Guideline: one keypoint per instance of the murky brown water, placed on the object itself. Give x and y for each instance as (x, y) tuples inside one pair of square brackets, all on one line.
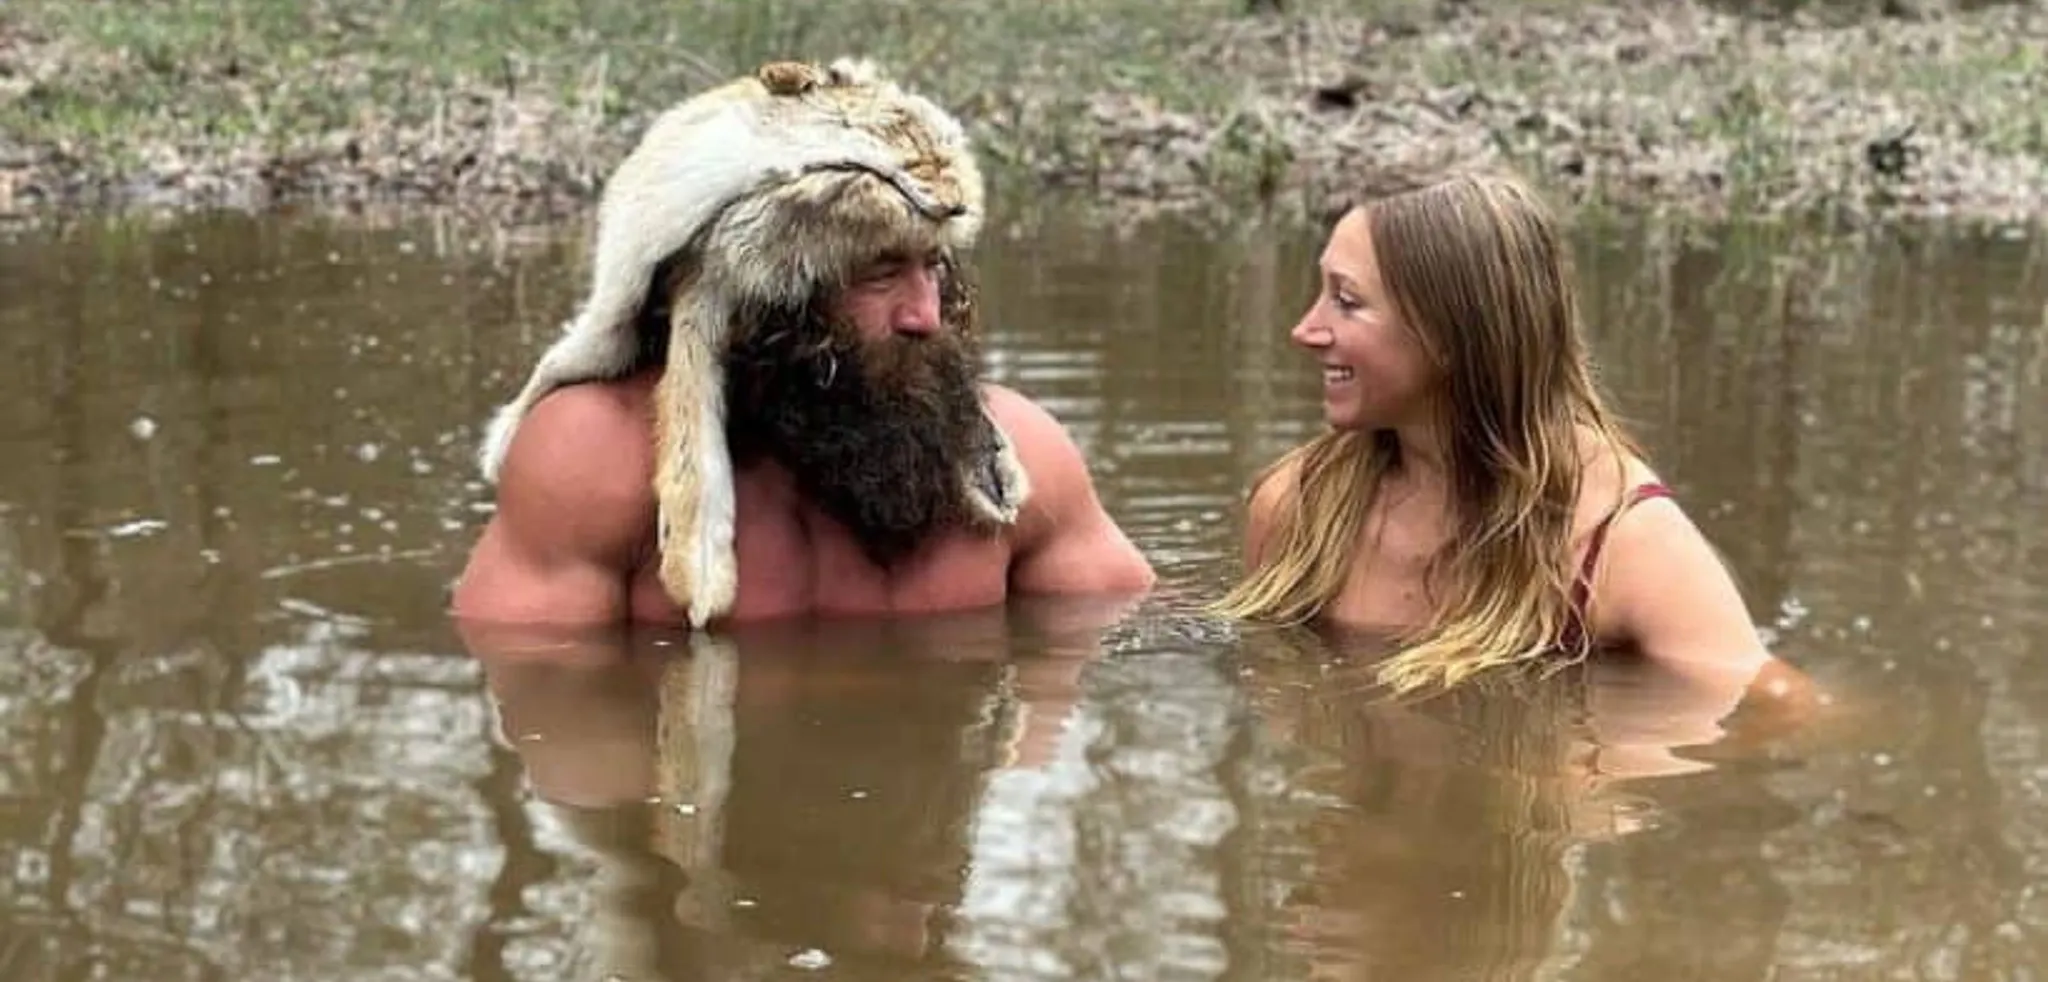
[(240, 741)]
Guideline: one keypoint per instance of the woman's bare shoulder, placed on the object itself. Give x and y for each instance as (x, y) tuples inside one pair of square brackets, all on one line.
[(1277, 480), (1271, 489), (1607, 474)]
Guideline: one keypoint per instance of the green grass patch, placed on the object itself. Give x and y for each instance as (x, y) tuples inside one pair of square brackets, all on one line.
[(1578, 92)]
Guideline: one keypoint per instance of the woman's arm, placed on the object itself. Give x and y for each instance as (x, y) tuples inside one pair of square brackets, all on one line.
[(1663, 591)]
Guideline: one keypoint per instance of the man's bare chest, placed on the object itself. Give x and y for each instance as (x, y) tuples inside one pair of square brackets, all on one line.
[(792, 564)]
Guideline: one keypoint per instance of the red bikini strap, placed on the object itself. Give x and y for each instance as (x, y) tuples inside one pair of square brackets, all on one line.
[(1582, 588), (1641, 492)]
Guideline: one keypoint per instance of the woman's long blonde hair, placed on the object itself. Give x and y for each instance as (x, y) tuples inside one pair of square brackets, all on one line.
[(1477, 268)]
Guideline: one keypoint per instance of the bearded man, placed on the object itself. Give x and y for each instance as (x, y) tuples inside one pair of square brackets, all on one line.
[(769, 404)]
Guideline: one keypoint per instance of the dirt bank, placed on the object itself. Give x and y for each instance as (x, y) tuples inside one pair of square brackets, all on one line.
[(1669, 106)]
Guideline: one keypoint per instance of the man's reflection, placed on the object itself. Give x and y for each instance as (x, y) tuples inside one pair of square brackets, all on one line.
[(789, 786), (1436, 837)]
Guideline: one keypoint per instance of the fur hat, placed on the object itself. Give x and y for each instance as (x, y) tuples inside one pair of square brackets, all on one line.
[(756, 192)]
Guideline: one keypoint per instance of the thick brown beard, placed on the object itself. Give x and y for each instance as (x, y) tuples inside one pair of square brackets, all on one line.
[(876, 433)]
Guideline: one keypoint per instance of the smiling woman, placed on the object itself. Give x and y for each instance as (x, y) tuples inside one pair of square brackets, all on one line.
[(1474, 496)]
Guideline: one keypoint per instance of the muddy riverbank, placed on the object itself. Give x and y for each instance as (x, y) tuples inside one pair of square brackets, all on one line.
[(1673, 106)]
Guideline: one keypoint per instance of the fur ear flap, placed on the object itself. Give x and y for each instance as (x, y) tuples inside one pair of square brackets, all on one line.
[(998, 484), (693, 480)]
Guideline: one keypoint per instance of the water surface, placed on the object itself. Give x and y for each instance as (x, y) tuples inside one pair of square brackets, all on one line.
[(242, 742)]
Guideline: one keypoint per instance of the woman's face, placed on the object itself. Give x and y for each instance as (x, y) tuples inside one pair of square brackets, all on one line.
[(1376, 374)]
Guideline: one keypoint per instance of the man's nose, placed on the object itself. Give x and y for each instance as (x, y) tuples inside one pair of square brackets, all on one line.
[(917, 302)]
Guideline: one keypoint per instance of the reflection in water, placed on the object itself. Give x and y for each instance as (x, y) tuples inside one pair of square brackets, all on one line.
[(1445, 837), (241, 742), (811, 794), (810, 787), (1437, 845)]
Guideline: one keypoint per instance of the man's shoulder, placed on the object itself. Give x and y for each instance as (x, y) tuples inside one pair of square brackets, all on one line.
[(591, 439), (620, 402), (1020, 416), (1047, 452), (1042, 444), (1064, 541), (594, 410)]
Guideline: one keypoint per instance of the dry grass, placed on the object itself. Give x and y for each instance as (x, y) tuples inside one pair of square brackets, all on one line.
[(1138, 102)]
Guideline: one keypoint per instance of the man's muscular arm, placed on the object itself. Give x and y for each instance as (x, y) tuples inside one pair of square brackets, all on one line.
[(574, 510), (1064, 542)]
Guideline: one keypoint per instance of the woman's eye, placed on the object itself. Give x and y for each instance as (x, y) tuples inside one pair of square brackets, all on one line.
[(1345, 301)]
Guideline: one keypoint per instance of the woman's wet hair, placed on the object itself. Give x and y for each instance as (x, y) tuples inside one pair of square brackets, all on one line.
[(1477, 268)]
